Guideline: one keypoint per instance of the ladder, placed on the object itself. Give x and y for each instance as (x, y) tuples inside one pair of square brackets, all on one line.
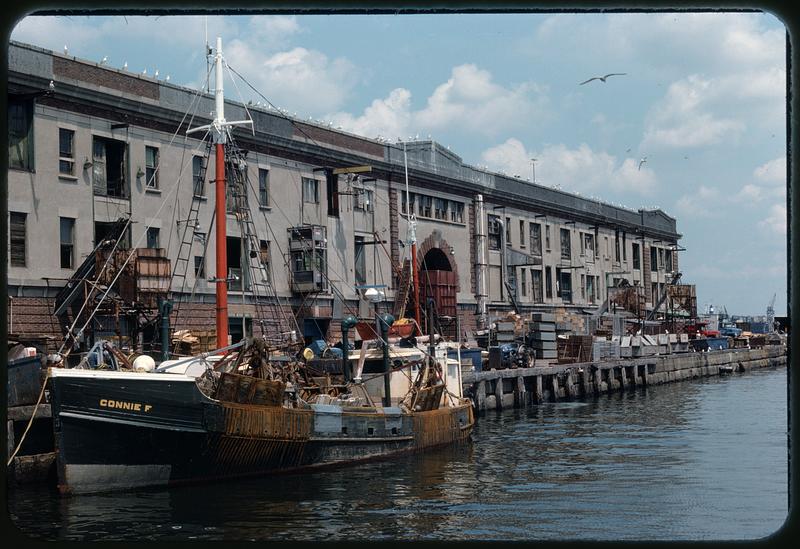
[(188, 230), (403, 288), (272, 319)]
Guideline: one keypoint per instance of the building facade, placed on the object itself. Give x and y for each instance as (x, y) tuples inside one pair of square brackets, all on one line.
[(102, 144)]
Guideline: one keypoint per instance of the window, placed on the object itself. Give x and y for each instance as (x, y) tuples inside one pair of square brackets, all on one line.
[(17, 229), (310, 190), (198, 175), (199, 266), (439, 208), (616, 246), (108, 167), (425, 204), (457, 212), (668, 261), (264, 256), (564, 278), (653, 259), (494, 232), (153, 237), (508, 231), (332, 187), (151, 167), (661, 258), (588, 244), (583, 286), (535, 230), (263, 187), (66, 152), (637, 260), (67, 229), (360, 261), (653, 292), (521, 233), (547, 237), (20, 126), (364, 200), (523, 282), (536, 281), (590, 288), (548, 282), (624, 251), (566, 244)]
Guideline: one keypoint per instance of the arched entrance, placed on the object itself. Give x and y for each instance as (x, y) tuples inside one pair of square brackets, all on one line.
[(439, 281)]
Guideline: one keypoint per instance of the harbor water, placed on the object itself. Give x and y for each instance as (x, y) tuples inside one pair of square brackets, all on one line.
[(705, 459)]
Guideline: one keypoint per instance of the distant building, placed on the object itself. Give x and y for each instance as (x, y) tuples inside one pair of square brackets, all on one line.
[(107, 143)]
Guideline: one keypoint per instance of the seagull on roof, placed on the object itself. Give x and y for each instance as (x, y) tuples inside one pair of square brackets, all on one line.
[(52, 85), (65, 49), (104, 60), (603, 78), (125, 66), (642, 161)]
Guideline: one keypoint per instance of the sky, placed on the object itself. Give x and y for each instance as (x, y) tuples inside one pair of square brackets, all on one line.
[(702, 100)]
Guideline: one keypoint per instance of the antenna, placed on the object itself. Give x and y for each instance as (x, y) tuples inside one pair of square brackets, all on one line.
[(208, 57)]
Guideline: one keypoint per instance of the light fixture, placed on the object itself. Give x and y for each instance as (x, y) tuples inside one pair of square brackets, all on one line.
[(87, 163), (139, 172)]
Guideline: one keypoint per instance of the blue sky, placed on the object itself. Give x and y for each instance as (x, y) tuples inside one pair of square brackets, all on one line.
[(703, 99)]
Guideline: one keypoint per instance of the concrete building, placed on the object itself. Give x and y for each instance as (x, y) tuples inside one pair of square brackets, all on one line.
[(102, 143)]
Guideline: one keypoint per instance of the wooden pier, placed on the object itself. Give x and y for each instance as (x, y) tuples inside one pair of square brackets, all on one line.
[(519, 387)]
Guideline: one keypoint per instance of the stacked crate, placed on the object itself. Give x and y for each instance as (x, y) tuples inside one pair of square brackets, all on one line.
[(575, 348), (543, 335), (194, 342)]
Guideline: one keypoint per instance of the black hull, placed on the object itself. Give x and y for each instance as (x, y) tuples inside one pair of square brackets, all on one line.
[(185, 437)]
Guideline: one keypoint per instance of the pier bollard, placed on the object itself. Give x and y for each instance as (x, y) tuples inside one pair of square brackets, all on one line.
[(498, 393), (537, 392), (480, 395), (519, 393)]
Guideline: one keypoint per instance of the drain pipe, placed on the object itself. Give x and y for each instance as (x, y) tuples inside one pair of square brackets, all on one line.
[(385, 321), (348, 323), (481, 294)]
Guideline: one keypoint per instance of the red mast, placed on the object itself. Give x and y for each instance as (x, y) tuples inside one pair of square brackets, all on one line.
[(222, 250), (219, 131)]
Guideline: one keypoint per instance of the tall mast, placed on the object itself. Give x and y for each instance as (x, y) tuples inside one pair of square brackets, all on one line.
[(219, 129), (412, 239)]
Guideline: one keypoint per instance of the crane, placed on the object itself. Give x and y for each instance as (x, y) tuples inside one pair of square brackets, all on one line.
[(771, 315)]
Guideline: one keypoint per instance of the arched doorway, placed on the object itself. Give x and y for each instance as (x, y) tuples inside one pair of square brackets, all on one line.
[(439, 281)]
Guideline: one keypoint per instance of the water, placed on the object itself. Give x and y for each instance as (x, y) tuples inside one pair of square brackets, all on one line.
[(695, 460)]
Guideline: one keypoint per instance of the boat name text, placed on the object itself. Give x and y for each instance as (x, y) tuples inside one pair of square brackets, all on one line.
[(122, 405)]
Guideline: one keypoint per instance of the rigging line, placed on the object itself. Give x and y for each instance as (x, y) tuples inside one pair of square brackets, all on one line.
[(274, 107), (235, 85), (274, 294), (127, 260)]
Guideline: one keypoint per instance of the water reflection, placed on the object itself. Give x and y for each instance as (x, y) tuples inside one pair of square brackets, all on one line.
[(696, 460)]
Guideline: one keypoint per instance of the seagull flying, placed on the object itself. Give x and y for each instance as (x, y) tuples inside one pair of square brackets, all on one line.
[(642, 161), (603, 78)]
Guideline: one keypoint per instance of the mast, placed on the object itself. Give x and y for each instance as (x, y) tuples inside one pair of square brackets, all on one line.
[(412, 239), (219, 129)]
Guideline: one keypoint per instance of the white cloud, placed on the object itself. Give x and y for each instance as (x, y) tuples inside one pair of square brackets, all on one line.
[(701, 202), (682, 119), (274, 29), (775, 222), (468, 100), (771, 183), (581, 169), (298, 79), (390, 117), (771, 172)]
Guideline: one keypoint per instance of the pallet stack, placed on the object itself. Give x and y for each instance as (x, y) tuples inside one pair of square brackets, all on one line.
[(543, 335), (194, 342)]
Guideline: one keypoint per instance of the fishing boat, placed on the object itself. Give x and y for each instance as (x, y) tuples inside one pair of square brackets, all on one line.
[(248, 409)]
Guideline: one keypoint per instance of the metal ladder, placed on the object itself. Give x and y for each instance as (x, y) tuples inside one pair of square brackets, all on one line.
[(181, 265), (273, 320)]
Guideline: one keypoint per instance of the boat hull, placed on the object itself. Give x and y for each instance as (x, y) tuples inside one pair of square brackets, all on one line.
[(120, 431)]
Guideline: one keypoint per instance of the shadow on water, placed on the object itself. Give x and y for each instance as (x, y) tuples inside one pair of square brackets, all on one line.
[(695, 460)]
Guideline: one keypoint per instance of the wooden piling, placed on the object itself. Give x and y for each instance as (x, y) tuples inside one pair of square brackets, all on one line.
[(480, 396), (623, 379), (538, 394), (519, 393), (498, 393), (554, 387)]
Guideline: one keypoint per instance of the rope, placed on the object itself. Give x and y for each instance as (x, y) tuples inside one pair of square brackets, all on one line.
[(30, 421)]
